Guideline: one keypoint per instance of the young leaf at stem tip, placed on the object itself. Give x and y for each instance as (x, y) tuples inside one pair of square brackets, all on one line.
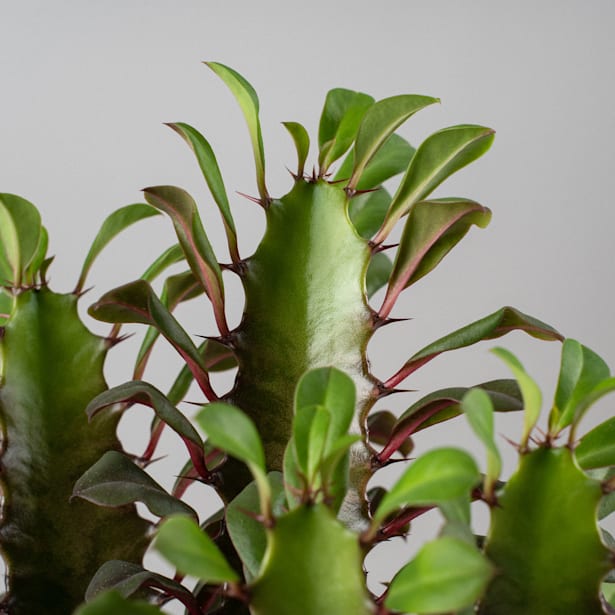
[(379, 123), (247, 98), (114, 224), (438, 157), (532, 397), (301, 139), (478, 409), (211, 172)]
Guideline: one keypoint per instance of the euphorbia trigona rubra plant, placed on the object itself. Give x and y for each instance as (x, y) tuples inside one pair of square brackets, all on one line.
[(292, 446)]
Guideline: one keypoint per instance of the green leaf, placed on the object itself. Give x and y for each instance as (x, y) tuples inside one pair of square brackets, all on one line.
[(310, 431), (128, 578), (446, 575), (479, 411), (182, 210), (495, 325), (36, 263), (445, 404), (380, 427), (581, 370), (380, 121), (230, 429), (114, 224), (112, 602), (597, 447), (246, 96), (431, 232), (301, 138), (20, 230), (438, 157), (247, 533), (211, 172), (339, 123), (114, 480), (169, 257), (367, 211), (391, 159), (333, 389), (181, 541), (532, 397), (137, 392), (437, 476), (378, 273), (177, 289), (136, 302)]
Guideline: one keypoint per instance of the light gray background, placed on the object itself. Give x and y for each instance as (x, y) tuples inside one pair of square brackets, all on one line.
[(85, 87)]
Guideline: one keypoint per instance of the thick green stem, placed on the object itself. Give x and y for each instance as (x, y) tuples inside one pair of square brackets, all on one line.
[(305, 307), (51, 366)]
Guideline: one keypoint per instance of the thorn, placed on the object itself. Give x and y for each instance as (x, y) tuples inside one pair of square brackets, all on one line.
[(384, 391), (380, 247), (339, 181), (295, 176), (515, 445), (224, 340), (143, 462), (378, 321), (254, 199), (115, 340), (82, 292), (194, 403), (240, 267)]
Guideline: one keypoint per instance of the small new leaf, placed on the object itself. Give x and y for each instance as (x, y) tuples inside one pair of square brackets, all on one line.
[(181, 541)]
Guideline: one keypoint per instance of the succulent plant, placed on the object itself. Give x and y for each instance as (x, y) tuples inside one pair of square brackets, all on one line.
[(51, 365), (291, 447)]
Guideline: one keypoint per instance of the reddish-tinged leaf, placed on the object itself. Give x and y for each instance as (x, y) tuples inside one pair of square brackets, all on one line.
[(495, 325), (433, 229), (182, 210)]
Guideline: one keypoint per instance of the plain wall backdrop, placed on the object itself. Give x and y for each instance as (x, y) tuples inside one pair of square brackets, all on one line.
[(85, 88)]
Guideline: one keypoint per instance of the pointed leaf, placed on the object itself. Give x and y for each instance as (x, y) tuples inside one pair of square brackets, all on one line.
[(211, 171), (113, 225), (36, 263), (339, 122), (230, 429), (391, 159), (446, 575), (432, 230), (438, 157), (247, 533), (378, 273), (301, 138), (136, 302), (20, 230), (495, 325), (597, 447), (532, 397), (128, 578), (177, 289), (436, 476), (182, 210), (317, 439), (181, 541), (114, 480), (169, 257), (381, 120), (246, 96), (478, 409), (333, 389), (137, 392), (112, 602), (367, 211), (581, 370)]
